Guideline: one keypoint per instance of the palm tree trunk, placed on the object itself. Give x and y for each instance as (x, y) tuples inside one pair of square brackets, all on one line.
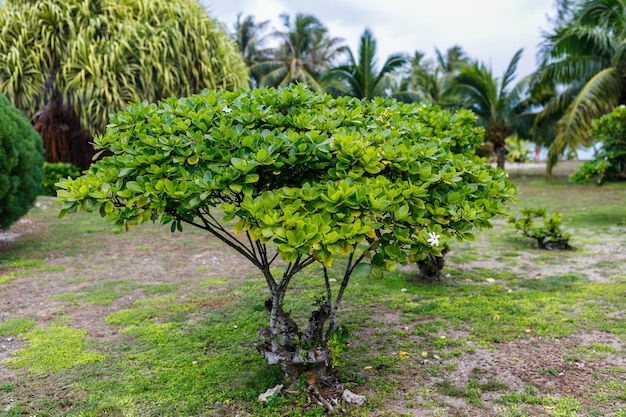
[(64, 139), (501, 156), (497, 136)]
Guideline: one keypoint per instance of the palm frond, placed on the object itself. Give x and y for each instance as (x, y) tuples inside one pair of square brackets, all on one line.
[(509, 74), (596, 98)]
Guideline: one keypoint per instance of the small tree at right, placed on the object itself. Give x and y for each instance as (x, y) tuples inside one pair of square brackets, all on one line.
[(609, 163)]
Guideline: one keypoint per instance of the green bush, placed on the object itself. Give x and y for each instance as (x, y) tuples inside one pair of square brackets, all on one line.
[(608, 164), (549, 235), (53, 173), (519, 150), (21, 164), (307, 177)]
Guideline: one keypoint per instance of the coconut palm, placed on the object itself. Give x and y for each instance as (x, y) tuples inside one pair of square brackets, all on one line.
[(251, 38), (429, 80), (304, 53), (68, 64), (586, 57), (496, 102), (361, 77), (452, 59), (422, 79)]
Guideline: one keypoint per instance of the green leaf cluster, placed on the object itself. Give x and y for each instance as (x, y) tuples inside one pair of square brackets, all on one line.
[(21, 164), (307, 172), (53, 172), (549, 235), (608, 164)]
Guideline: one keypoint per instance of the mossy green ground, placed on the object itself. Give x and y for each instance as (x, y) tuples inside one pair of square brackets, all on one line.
[(150, 324)]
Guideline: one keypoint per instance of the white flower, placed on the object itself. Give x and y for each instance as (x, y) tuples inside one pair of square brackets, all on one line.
[(433, 239), (403, 289), (227, 110)]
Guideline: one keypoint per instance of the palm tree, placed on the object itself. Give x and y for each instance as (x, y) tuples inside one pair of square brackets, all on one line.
[(250, 37), (430, 81), (496, 102), (361, 77), (304, 54), (452, 60), (586, 57), (421, 79)]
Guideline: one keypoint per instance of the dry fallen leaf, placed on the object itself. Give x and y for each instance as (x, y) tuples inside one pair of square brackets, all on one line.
[(311, 378)]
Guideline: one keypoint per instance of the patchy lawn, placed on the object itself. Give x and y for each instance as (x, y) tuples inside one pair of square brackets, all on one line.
[(149, 323)]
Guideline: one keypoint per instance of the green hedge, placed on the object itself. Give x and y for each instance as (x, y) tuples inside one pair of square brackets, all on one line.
[(21, 164)]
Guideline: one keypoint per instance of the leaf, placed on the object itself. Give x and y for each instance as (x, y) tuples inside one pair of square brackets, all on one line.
[(236, 187), (362, 270), (251, 178)]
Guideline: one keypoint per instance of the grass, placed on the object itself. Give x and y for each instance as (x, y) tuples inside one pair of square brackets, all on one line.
[(16, 326), (53, 349), (133, 326)]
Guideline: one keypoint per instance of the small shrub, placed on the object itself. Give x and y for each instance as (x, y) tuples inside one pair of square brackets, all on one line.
[(21, 162), (549, 236), (53, 173), (608, 164), (519, 150)]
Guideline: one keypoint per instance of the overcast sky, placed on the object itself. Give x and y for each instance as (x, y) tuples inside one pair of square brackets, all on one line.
[(488, 30)]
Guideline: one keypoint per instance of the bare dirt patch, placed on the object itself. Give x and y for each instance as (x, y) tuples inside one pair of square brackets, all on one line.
[(134, 260)]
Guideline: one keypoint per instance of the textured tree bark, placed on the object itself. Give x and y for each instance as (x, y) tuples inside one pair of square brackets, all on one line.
[(430, 269), (279, 348), (64, 139)]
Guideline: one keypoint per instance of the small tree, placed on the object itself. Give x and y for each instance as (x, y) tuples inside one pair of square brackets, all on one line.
[(608, 164), (21, 164), (290, 174)]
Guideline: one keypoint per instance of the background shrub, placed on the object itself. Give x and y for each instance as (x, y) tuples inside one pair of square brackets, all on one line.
[(53, 172), (21, 164), (608, 164), (549, 235)]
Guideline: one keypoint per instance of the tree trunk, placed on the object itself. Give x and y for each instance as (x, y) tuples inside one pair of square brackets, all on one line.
[(537, 153), (501, 156), (497, 136), (64, 139), (280, 348), (430, 269)]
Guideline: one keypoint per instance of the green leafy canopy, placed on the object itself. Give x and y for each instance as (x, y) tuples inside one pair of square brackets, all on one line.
[(310, 173)]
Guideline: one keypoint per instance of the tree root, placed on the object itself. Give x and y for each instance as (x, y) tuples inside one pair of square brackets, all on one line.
[(330, 405)]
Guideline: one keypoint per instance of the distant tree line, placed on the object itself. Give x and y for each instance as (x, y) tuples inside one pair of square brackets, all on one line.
[(579, 77), (69, 64)]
